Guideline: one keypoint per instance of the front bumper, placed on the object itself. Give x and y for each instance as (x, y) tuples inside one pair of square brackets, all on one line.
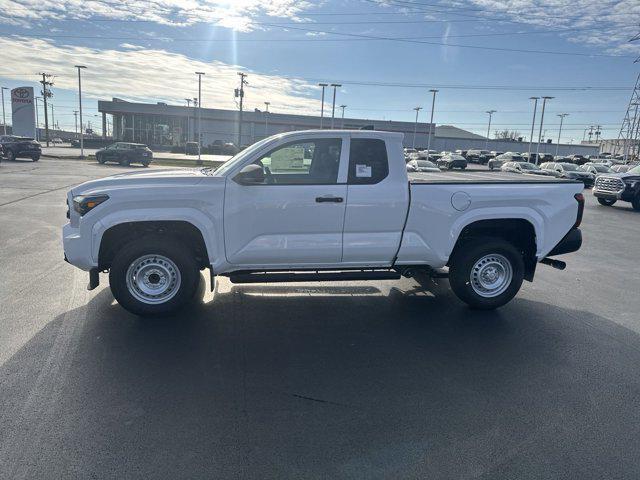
[(571, 242), (77, 250)]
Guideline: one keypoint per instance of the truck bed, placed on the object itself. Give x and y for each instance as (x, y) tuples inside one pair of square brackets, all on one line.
[(480, 177)]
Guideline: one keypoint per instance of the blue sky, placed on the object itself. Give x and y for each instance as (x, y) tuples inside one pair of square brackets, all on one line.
[(387, 54)]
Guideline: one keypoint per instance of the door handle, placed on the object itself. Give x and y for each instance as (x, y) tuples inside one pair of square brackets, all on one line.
[(329, 199)]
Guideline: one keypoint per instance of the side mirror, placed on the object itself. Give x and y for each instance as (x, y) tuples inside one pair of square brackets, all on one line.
[(250, 175)]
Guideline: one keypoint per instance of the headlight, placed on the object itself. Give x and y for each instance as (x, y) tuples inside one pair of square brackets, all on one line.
[(85, 203)]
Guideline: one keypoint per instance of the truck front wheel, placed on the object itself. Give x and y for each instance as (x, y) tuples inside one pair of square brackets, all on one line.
[(486, 273), (153, 276)]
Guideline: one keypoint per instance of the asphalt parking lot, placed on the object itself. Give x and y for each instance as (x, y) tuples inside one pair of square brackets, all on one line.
[(351, 380)]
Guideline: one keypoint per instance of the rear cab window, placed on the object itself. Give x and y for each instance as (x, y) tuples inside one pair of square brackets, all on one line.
[(368, 161)]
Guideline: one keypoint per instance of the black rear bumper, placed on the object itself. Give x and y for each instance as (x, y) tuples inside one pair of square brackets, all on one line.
[(571, 242)]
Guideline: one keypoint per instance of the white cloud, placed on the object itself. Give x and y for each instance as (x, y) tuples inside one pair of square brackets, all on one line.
[(235, 14), (607, 24), (151, 75)]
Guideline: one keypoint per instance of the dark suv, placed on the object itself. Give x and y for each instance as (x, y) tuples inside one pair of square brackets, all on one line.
[(20, 147), (611, 187), (125, 153)]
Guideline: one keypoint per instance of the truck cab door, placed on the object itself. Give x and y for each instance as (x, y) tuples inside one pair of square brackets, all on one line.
[(377, 202), (293, 217)]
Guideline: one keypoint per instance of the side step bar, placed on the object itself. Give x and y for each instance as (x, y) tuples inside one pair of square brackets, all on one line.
[(315, 276)]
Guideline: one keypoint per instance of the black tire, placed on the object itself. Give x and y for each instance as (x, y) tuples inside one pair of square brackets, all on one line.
[(153, 245), (10, 155), (491, 167), (463, 261), (607, 202), (100, 159), (124, 162), (145, 164), (635, 203), (35, 158)]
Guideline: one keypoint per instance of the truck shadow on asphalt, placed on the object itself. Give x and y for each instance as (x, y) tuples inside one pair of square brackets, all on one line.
[(333, 382)]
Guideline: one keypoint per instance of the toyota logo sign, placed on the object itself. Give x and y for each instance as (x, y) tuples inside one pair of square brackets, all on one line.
[(21, 93)]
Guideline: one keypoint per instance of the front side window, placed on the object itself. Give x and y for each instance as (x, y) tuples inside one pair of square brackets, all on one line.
[(368, 162), (304, 162)]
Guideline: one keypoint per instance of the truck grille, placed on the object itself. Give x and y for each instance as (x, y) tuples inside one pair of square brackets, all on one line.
[(609, 184)]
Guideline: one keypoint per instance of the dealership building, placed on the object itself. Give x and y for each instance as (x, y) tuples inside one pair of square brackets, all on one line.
[(163, 125)]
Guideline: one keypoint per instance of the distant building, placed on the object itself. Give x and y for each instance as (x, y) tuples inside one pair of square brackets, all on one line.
[(159, 124)]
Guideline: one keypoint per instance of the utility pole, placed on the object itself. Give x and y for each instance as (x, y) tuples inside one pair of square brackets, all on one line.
[(323, 85), (533, 123), (266, 119), (80, 67), (342, 107), (240, 93), (544, 103), (53, 119), (561, 115), (188, 100), (35, 99), (199, 114), (432, 127), (490, 112), (46, 94), (415, 128), (75, 115), (590, 133), (333, 106), (4, 120)]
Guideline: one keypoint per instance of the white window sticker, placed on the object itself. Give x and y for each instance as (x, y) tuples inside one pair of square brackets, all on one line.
[(363, 171)]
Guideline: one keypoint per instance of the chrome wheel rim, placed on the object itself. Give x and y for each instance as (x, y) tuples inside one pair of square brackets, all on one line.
[(491, 275), (153, 279)]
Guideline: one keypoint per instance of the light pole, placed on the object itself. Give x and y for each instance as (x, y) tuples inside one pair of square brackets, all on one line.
[(333, 106), (323, 85), (188, 100), (37, 119), (79, 67), (533, 123), (415, 127), (561, 115), (431, 125), (266, 118), (199, 114), (4, 120), (544, 103), (342, 107), (75, 117), (490, 112)]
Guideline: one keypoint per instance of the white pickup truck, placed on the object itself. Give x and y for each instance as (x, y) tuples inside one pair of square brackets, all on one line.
[(325, 205)]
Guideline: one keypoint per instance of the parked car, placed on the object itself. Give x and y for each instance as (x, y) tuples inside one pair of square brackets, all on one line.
[(422, 166), (191, 148), (449, 162), (579, 159), (609, 188), (462, 153), (478, 156), (621, 168), (496, 163), (495, 153), (524, 167), (570, 171), (532, 157), (20, 147), (346, 222), (545, 157), (125, 154), (596, 168)]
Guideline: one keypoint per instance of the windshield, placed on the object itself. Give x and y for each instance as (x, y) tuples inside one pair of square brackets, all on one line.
[(529, 166), (601, 168), (236, 159), (424, 163), (569, 167)]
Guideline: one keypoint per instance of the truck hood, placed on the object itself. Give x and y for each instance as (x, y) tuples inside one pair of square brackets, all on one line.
[(169, 177)]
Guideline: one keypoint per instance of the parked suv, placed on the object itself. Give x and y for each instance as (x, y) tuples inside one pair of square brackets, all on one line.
[(125, 153), (496, 163), (478, 156), (569, 170), (609, 188), (20, 147)]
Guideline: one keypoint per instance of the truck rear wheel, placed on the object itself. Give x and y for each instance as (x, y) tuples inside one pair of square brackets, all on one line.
[(153, 276), (486, 273)]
